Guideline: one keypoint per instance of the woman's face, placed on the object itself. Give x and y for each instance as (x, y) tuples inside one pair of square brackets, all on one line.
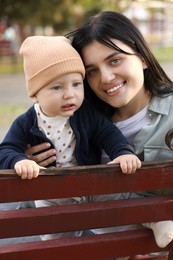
[(115, 77)]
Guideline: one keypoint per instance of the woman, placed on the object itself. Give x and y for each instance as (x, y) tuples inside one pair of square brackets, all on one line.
[(125, 81)]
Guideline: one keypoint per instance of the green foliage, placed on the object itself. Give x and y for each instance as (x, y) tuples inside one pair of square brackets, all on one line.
[(62, 15)]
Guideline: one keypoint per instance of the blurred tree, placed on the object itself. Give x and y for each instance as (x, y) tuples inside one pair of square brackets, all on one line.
[(61, 15)]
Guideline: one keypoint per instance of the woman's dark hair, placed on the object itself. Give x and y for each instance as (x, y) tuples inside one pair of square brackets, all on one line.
[(113, 25)]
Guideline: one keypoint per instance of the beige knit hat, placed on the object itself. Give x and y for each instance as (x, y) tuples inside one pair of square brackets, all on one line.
[(47, 58)]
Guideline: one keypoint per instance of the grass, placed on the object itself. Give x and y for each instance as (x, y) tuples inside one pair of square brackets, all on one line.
[(8, 68), (9, 112), (9, 65), (163, 54)]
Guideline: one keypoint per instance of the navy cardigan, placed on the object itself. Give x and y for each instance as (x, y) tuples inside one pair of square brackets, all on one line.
[(92, 130)]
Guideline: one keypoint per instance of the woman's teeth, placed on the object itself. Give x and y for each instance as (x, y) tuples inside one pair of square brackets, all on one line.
[(115, 88)]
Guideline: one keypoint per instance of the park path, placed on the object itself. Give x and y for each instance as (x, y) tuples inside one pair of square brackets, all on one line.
[(13, 91)]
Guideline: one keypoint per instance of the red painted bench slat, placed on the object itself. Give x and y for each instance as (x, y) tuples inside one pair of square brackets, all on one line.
[(80, 181), (98, 214), (98, 247)]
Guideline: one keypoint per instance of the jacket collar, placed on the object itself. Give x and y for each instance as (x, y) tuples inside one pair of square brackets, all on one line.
[(161, 105)]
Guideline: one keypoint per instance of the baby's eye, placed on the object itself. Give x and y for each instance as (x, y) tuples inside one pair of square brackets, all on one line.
[(76, 84), (57, 87)]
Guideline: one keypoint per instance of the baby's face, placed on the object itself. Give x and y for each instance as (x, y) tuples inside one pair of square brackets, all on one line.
[(63, 96)]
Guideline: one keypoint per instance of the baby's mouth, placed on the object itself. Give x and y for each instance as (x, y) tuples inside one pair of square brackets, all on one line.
[(68, 105)]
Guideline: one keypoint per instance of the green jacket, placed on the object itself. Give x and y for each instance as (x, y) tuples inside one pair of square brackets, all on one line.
[(150, 141)]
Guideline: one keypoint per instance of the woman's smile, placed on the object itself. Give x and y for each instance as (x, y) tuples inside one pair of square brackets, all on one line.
[(115, 88)]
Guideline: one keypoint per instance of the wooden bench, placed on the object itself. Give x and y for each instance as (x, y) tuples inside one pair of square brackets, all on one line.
[(83, 181)]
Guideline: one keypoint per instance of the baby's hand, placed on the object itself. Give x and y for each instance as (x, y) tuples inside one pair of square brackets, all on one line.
[(27, 169), (129, 163)]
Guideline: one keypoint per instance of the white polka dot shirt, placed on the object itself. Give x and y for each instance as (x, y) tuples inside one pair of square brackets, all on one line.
[(59, 131)]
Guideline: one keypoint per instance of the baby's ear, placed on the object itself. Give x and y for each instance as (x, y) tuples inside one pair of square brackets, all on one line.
[(34, 99)]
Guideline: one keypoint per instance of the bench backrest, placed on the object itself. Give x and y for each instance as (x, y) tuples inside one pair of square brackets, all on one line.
[(84, 181)]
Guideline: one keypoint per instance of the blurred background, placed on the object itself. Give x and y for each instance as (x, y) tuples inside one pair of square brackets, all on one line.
[(19, 19), (49, 17), (54, 17)]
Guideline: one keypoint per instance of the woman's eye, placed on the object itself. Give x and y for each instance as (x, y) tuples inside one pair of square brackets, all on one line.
[(115, 61), (90, 73)]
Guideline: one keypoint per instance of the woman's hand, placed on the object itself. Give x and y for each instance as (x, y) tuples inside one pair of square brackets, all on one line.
[(38, 154)]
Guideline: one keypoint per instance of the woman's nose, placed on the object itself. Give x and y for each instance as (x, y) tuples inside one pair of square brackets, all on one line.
[(107, 75)]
